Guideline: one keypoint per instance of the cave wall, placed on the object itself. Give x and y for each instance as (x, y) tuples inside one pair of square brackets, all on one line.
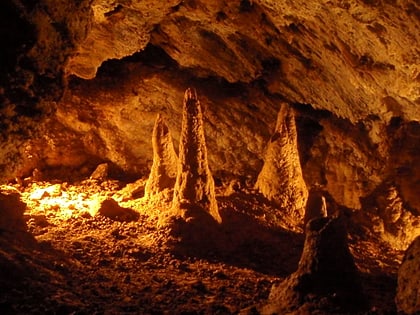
[(83, 81)]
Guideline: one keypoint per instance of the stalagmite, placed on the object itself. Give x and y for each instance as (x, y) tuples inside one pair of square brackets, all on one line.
[(326, 279), (280, 179), (194, 194), (164, 169), (316, 206)]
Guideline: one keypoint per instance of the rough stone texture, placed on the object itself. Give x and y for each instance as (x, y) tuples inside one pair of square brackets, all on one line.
[(350, 69), (194, 187), (280, 179), (387, 215), (111, 209), (125, 25), (316, 206), (100, 173), (11, 211), (326, 279), (165, 160), (408, 293)]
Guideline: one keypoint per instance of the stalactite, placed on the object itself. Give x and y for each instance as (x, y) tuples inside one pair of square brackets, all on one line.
[(164, 168), (194, 192), (280, 179)]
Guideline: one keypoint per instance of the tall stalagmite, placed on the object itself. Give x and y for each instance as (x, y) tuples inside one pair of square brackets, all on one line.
[(194, 193), (165, 161), (280, 179)]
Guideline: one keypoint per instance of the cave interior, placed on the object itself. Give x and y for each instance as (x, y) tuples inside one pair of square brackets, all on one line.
[(210, 157)]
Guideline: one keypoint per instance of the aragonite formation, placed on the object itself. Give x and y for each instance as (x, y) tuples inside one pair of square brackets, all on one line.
[(194, 193), (280, 179), (164, 168)]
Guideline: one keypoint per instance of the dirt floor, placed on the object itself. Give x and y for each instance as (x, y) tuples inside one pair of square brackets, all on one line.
[(78, 257)]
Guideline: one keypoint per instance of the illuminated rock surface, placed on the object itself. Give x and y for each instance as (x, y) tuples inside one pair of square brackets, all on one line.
[(165, 161), (81, 83), (194, 192), (408, 294), (280, 179)]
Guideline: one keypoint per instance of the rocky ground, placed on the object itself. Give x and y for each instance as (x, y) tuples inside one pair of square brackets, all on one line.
[(78, 258)]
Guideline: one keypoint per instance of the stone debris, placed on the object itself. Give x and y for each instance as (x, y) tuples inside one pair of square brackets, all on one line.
[(281, 179), (326, 278), (408, 293), (100, 173), (111, 209), (194, 193), (165, 160)]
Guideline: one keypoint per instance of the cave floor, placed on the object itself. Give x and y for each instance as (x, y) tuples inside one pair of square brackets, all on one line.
[(70, 262)]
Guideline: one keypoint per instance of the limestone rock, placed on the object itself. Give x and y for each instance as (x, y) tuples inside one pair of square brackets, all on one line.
[(326, 276), (280, 179), (100, 173), (165, 160), (316, 206), (11, 211), (194, 192), (408, 293), (387, 216), (111, 209)]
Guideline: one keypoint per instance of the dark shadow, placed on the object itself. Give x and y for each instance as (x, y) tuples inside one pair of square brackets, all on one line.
[(247, 237)]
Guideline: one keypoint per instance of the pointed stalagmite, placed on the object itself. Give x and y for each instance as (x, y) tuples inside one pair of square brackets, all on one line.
[(165, 161), (280, 179), (194, 193)]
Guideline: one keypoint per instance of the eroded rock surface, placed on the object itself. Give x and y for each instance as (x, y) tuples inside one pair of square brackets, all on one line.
[(165, 160), (194, 192), (280, 179), (408, 294), (326, 279), (350, 69)]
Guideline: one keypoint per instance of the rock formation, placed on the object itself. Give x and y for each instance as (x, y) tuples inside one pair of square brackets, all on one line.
[(11, 211), (111, 209), (408, 293), (100, 173), (165, 161), (316, 206), (194, 192), (326, 278), (280, 179)]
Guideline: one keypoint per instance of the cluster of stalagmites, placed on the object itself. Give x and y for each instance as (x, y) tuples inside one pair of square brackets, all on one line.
[(280, 179), (189, 174)]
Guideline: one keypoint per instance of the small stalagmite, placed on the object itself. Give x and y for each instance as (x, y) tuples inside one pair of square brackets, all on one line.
[(281, 179), (194, 194), (326, 279), (165, 161), (316, 206)]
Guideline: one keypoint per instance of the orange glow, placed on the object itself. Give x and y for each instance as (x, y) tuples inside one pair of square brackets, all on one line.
[(60, 201)]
